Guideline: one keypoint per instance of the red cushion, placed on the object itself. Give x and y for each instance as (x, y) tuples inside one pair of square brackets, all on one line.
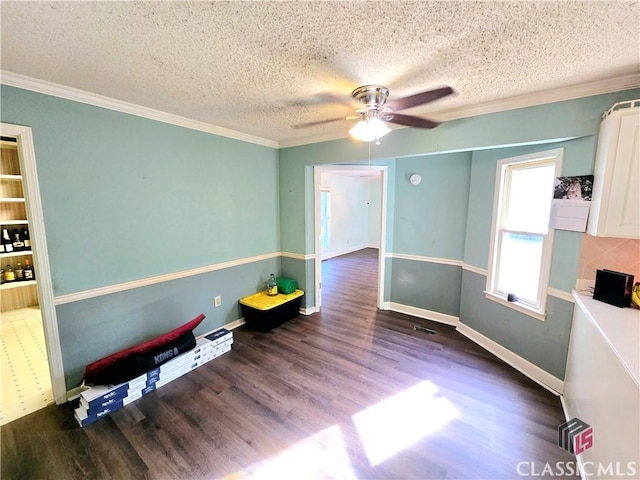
[(93, 368)]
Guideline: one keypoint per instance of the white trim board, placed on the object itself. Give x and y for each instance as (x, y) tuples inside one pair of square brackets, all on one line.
[(121, 287), (68, 93), (298, 256), (572, 92), (474, 269), (423, 313), (598, 87), (420, 258), (535, 373), (28, 168)]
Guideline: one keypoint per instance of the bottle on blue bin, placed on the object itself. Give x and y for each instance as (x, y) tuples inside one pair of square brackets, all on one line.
[(272, 285)]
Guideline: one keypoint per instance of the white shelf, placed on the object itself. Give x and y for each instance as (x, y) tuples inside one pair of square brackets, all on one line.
[(8, 144), (16, 254), (14, 222), (10, 285), (14, 178), (12, 200)]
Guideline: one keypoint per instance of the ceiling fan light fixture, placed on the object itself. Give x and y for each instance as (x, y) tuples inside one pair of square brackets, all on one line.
[(369, 129)]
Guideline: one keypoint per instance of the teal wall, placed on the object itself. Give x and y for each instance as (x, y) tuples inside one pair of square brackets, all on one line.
[(430, 218), (542, 343), (126, 198), (451, 218), (94, 328)]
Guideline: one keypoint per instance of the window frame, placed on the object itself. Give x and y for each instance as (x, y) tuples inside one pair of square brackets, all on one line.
[(501, 192)]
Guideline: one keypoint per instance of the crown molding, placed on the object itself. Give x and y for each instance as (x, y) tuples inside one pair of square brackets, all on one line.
[(572, 92), (68, 93), (588, 89)]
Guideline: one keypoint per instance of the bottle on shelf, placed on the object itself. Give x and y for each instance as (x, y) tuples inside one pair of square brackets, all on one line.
[(16, 237), (6, 241), (9, 275), (29, 272), (19, 272), (1, 276), (272, 285), (26, 238)]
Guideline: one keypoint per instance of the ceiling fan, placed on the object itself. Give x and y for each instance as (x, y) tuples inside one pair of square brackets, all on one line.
[(376, 110)]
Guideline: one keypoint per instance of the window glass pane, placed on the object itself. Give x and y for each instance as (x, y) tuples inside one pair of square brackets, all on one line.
[(325, 220), (529, 199), (519, 268)]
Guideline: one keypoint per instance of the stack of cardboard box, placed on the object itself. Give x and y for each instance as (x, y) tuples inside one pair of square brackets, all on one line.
[(102, 400)]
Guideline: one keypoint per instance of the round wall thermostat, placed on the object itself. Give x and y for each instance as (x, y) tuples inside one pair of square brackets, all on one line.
[(415, 179)]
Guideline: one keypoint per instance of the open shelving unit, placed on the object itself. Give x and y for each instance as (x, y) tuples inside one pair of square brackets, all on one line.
[(19, 294)]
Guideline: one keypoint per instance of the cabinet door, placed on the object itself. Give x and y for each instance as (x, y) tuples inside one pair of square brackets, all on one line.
[(623, 213), (599, 391)]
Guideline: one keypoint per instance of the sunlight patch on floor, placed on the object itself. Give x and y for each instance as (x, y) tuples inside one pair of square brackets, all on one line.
[(398, 422), (322, 455)]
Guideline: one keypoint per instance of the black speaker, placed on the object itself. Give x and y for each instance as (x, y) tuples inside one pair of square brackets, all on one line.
[(613, 288)]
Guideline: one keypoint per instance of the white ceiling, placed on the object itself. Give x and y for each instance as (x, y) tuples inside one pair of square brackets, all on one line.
[(260, 67)]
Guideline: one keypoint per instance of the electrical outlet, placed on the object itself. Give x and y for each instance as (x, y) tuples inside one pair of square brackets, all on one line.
[(217, 301)]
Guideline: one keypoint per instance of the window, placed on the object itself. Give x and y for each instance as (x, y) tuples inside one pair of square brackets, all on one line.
[(325, 218), (521, 240)]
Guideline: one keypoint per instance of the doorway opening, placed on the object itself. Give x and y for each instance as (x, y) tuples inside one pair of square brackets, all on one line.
[(350, 216), (32, 374)]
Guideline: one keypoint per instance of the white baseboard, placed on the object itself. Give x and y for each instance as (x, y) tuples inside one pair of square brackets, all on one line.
[(308, 310), (568, 416), (535, 373), (328, 255), (422, 313)]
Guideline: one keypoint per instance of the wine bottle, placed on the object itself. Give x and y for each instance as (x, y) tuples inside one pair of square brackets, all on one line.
[(18, 244), (26, 238), (6, 241), (29, 272), (9, 275), (19, 272), (1, 276)]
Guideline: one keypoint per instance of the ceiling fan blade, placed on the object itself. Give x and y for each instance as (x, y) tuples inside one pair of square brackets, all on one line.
[(419, 98), (409, 120), (319, 122), (322, 122)]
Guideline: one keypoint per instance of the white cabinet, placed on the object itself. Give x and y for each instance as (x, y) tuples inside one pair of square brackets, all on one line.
[(615, 206), (601, 385)]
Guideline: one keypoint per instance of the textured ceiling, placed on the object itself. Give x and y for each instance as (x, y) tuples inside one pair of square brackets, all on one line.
[(260, 67)]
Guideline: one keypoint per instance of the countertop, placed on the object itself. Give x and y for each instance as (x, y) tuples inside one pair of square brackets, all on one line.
[(620, 328)]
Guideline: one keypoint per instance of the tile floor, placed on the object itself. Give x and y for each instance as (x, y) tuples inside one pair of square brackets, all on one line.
[(25, 381)]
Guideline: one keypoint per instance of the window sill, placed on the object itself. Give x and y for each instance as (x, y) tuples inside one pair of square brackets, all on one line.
[(532, 312)]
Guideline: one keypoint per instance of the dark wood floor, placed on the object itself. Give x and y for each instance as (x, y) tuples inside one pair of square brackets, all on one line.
[(352, 392)]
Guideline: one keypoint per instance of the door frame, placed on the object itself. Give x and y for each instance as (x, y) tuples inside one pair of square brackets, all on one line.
[(317, 171), (27, 158)]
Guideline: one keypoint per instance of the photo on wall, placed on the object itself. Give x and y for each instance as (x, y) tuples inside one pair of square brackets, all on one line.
[(571, 202), (573, 188)]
